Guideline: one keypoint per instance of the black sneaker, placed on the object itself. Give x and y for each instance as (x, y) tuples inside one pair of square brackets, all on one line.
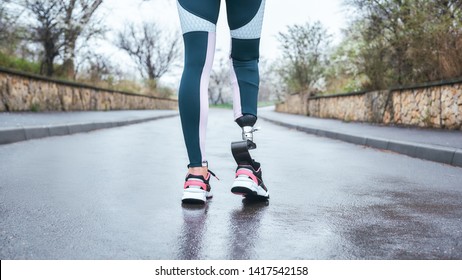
[(197, 189), (249, 183)]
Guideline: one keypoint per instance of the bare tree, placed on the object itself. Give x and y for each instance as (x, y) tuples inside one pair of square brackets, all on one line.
[(57, 26), (7, 27), (153, 49), (304, 48), (15, 37), (272, 88), (47, 30), (219, 84), (95, 67), (76, 22), (4, 22)]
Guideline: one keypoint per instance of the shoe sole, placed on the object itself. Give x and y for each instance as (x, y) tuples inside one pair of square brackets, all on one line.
[(247, 187), (195, 196)]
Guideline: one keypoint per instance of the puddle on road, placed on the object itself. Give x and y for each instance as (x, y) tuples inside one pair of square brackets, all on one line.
[(244, 227), (242, 231), (192, 231)]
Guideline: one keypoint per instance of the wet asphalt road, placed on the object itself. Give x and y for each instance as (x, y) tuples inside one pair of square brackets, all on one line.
[(115, 194)]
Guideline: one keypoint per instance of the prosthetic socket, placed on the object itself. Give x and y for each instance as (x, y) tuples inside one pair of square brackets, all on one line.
[(241, 149)]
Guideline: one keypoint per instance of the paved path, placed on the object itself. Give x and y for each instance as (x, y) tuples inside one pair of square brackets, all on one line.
[(15, 127), (115, 194), (29, 119)]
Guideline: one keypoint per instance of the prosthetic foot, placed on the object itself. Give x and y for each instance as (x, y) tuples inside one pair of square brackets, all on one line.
[(248, 181)]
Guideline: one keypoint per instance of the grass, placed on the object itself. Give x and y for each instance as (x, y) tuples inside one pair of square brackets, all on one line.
[(35, 108), (19, 64), (230, 106), (222, 106), (266, 103)]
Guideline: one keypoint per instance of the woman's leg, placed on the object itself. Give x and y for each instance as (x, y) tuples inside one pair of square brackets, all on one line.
[(198, 23), (245, 18)]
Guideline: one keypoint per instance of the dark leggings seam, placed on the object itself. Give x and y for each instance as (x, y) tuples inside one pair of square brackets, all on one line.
[(189, 11)]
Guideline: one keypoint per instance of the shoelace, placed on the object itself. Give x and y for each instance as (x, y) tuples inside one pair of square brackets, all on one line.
[(213, 174)]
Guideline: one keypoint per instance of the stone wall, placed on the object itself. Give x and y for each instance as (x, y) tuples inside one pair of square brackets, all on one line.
[(24, 92), (433, 105), (295, 104)]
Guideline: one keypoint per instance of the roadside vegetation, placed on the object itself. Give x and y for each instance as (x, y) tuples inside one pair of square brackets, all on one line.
[(386, 43)]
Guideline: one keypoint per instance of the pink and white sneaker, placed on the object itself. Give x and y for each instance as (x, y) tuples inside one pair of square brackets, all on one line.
[(249, 182), (197, 189)]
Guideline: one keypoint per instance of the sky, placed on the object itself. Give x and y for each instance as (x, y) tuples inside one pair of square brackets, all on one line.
[(278, 15)]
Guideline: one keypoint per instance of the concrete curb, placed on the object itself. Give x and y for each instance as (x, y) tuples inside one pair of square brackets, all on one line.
[(13, 135), (447, 155)]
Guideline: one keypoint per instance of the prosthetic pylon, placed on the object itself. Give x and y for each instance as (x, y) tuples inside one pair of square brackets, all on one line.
[(240, 149)]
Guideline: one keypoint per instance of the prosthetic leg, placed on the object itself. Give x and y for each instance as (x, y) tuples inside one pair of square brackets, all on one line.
[(248, 181), (241, 149)]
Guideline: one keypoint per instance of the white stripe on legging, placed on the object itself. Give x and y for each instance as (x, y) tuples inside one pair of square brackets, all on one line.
[(236, 91), (204, 91)]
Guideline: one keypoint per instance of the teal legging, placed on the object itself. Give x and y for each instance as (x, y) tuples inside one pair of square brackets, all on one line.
[(198, 22)]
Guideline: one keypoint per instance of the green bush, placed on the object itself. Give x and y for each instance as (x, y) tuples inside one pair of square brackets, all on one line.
[(19, 64)]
